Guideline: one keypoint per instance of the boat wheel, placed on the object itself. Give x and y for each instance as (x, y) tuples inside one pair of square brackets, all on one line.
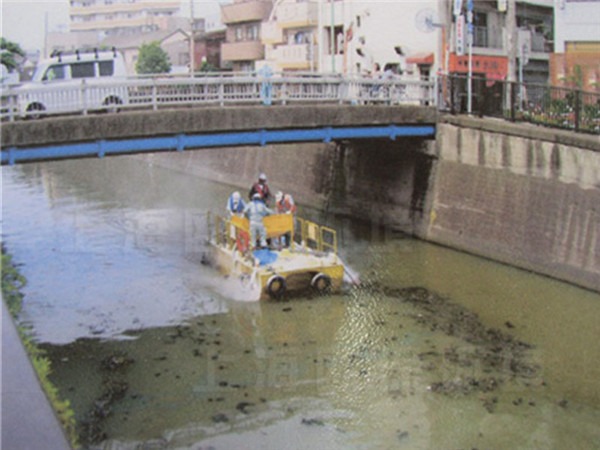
[(321, 283), (276, 286)]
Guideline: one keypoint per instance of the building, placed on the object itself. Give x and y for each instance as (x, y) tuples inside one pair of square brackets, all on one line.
[(576, 59), (290, 36), (120, 17), (175, 43), (388, 35), (490, 48), (344, 36), (243, 46), (69, 42), (207, 48)]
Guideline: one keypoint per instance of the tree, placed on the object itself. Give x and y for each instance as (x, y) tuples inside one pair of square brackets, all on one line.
[(8, 51), (152, 59), (207, 67)]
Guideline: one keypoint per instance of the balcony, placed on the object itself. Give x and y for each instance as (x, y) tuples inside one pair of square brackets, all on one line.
[(242, 51), (123, 8), (251, 11), (292, 15), (296, 56), (271, 33), (109, 24), (486, 37)]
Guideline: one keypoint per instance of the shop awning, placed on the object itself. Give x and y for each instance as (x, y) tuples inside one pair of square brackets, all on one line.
[(420, 58)]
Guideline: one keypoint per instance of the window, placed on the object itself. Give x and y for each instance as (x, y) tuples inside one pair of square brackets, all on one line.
[(252, 33), (184, 59), (239, 34), (479, 19), (82, 70), (107, 68), (54, 73)]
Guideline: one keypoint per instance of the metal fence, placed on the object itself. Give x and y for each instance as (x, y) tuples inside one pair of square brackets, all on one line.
[(85, 96), (556, 107)]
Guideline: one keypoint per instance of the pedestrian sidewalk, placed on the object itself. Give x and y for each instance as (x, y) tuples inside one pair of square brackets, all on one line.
[(28, 419)]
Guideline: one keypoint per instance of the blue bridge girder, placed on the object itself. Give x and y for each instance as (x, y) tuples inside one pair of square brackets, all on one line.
[(178, 129), (182, 141)]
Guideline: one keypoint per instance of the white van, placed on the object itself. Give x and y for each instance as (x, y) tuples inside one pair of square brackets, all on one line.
[(82, 81)]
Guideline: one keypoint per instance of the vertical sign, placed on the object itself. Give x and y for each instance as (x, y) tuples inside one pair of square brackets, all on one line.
[(457, 7), (470, 21), (502, 4), (460, 35)]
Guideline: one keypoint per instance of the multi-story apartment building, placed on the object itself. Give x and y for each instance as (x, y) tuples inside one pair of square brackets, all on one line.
[(490, 48), (290, 36), (576, 58), (344, 36), (243, 46), (120, 17)]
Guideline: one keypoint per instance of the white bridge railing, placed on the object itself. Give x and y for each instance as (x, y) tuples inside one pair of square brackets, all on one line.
[(86, 96)]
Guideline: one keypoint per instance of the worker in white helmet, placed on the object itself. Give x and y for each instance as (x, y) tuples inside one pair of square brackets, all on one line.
[(262, 188), (284, 204), (256, 210), (235, 205)]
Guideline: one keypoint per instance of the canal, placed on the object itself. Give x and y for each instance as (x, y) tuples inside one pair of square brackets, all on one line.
[(436, 349)]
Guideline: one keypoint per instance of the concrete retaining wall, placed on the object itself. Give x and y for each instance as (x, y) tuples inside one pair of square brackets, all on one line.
[(529, 201), (523, 195), (382, 181)]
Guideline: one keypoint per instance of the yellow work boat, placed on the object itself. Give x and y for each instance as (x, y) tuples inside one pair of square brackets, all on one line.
[(310, 261)]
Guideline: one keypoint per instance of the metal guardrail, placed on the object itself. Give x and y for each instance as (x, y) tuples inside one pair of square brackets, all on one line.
[(85, 96), (551, 106)]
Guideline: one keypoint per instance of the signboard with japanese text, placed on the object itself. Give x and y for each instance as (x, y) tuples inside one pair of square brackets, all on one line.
[(460, 35), (457, 7)]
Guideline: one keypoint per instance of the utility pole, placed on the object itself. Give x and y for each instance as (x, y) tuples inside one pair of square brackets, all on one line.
[(470, 43), (192, 62), (332, 36), (511, 32), (320, 65)]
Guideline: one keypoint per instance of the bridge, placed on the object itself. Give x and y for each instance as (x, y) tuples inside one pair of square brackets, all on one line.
[(185, 113), (97, 119)]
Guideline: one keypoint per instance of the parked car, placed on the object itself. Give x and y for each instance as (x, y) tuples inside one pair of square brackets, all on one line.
[(82, 81)]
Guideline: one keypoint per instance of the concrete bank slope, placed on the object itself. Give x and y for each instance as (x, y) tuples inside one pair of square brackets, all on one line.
[(522, 194), (28, 419)]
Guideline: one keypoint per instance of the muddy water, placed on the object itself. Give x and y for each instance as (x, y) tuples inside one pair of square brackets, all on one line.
[(438, 349)]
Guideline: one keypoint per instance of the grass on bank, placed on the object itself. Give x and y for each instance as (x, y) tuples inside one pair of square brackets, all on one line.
[(12, 284)]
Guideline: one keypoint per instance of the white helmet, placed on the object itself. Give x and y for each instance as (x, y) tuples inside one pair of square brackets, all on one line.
[(278, 196), (262, 177), (236, 196)]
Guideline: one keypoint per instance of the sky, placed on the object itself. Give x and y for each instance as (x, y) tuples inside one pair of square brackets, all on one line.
[(23, 21)]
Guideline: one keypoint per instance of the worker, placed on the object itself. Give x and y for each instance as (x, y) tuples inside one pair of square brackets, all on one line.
[(256, 210), (285, 205), (262, 188), (235, 205)]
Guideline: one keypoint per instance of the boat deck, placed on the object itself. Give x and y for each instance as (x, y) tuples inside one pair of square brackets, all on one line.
[(311, 261)]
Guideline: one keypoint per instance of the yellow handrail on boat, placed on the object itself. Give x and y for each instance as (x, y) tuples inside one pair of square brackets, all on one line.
[(312, 235)]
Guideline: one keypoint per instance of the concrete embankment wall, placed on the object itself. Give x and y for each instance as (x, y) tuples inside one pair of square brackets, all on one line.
[(527, 196), (523, 195), (382, 181)]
